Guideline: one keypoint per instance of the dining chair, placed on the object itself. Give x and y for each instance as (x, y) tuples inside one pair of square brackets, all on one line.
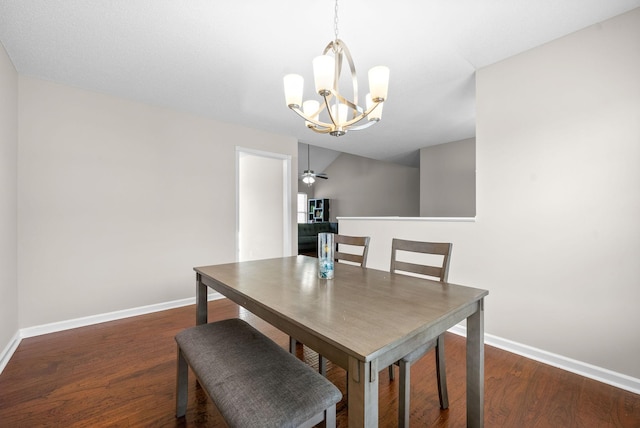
[(345, 253), (401, 262)]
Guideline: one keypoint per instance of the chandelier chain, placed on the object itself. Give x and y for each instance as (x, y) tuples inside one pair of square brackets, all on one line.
[(335, 20)]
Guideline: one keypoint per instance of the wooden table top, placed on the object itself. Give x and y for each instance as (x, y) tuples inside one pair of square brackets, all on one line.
[(364, 312)]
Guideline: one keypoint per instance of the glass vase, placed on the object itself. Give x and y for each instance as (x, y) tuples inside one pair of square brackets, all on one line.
[(326, 248)]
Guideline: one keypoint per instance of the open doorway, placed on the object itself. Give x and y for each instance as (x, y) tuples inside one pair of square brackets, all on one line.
[(263, 201)]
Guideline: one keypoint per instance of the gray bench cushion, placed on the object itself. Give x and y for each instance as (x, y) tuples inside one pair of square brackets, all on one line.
[(253, 381)]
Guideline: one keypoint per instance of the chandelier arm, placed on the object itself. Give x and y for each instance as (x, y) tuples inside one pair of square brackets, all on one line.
[(330, 47), (350, 104), (331, 118), (320, 108), (337, 71), (363, 126), (318, 130), (344, 49), (309, 119), (324, 128), (362, 116), (338, 47)]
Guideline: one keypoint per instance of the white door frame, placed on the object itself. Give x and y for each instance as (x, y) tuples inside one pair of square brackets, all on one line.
[(286, 193)]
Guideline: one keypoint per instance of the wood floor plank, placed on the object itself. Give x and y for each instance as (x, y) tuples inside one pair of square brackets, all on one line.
[(122, 374)]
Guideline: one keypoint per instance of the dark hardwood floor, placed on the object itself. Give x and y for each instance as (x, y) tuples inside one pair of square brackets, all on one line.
[(122, 374)]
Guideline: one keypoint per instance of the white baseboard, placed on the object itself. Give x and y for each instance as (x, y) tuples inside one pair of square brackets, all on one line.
[(7, 353), (109, 316), (600, 374), (590, 371)]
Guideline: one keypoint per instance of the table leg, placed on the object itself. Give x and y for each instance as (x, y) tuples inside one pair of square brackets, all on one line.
[(201, 301), (475, 367), (363, 393)]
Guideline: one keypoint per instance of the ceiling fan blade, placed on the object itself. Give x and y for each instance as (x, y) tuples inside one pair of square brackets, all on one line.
[(309, 173)]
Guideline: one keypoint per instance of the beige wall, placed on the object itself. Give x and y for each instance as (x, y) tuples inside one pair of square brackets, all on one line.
[(448, 179), (556, 238), (8, 200), (359, 186), (118, 201)]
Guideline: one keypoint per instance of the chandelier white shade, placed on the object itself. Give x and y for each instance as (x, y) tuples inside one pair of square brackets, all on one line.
[(293, 93), (334, 113), (379, 83)]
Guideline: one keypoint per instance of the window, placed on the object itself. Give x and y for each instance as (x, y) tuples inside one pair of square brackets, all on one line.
[(302, 207)]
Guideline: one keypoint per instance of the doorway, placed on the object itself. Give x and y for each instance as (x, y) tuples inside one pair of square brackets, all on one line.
[(263, 201)]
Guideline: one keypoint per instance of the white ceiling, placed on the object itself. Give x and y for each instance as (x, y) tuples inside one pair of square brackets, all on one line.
[(226, 59)]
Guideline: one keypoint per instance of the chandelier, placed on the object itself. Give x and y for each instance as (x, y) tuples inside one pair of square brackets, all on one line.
[(335, 114)]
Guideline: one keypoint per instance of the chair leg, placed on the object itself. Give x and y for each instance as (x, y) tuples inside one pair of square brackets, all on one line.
[(182, 383), (322, 365), (346, 389), (292, 345), (330, 417), (404, 392), (441, 373)]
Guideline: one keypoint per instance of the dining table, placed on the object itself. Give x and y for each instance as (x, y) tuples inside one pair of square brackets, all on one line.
[(362, 320)]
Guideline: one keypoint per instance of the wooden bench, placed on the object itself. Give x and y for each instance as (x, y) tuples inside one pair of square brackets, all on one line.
[(251, 379)]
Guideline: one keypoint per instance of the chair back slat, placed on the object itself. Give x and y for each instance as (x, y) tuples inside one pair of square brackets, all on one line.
[(434, 271), (436, 248), (355, 258), (356, 241)]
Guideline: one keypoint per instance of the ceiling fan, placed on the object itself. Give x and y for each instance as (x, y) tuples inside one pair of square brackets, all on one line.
[(308, 176)]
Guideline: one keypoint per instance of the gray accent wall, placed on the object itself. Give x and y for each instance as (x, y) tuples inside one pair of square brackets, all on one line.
[(362, 187), (448, 179)]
